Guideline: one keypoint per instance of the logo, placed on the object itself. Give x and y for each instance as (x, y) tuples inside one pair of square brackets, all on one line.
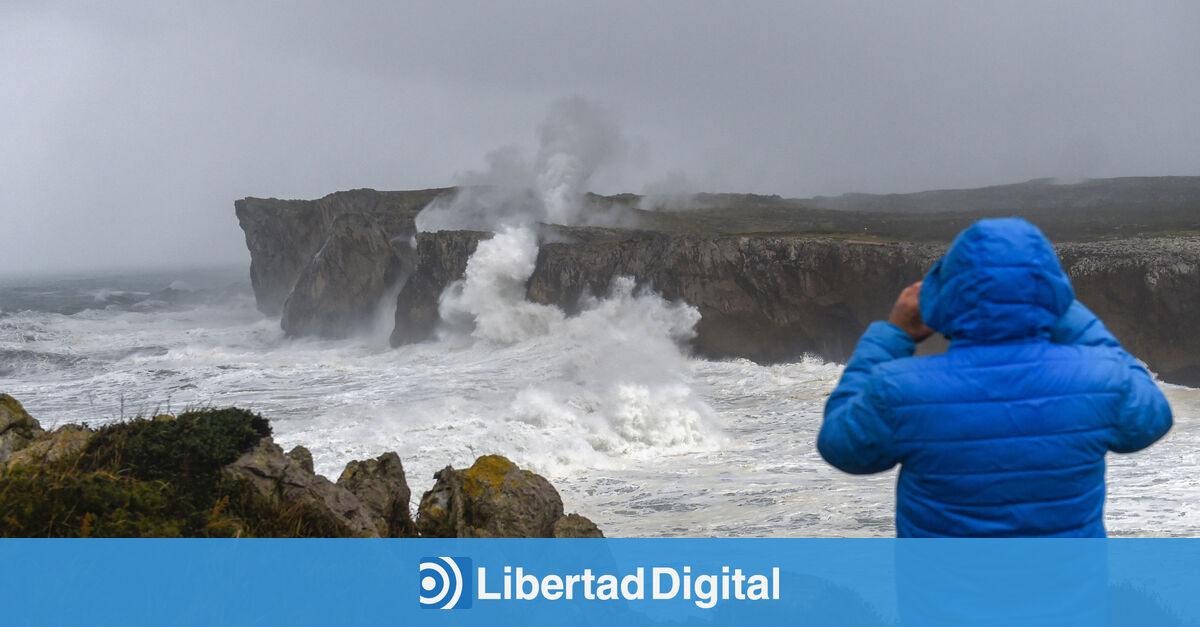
[(443, 581)]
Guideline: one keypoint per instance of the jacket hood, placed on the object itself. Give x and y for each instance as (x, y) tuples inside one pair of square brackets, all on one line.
[(1000, 280)]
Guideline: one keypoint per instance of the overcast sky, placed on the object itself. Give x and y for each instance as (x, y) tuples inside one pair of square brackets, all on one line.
[(126, 133)]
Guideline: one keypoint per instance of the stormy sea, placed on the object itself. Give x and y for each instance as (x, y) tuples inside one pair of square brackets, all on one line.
[(636, 433)]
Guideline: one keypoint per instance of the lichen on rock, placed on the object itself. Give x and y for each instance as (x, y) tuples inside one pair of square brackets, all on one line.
[(495, 498)]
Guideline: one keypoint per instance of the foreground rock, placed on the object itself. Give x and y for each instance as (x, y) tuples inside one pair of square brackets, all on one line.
[(218, 473), (17, 428), (380, 484), (495, 498), (53, 446), (284, 481)]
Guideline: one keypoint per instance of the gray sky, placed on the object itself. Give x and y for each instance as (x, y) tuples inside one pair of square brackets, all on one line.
[(126, 133)]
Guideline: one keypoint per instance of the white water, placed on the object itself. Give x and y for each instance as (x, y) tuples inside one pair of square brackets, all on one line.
[(676, 447)]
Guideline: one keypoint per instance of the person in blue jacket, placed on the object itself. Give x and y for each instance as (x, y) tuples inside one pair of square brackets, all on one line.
[(1005, 434)]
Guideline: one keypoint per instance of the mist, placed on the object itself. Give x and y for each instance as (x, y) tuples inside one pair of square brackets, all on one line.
[(128, 132)]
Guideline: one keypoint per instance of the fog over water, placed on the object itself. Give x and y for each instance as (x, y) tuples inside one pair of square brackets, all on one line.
[(128, 129)]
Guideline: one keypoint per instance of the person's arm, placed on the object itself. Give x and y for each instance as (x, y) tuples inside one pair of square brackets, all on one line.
[(1145, 415), (854, 436)]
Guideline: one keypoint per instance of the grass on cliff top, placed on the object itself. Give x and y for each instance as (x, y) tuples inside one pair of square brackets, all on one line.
[(767, 216), (154, 478)]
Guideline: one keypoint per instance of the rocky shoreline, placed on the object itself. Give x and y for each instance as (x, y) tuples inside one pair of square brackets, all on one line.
[(218, 473)]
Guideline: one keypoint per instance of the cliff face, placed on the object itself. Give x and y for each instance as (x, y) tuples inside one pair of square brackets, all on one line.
[(1147, 291), (768, 286), (283, 235), (767, 299), (441, 258), (775, 298), (338, 291)]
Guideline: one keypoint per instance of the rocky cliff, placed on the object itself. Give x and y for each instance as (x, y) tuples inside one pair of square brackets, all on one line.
[(441, 258), (337, 292), (765, 298), (772, 278), (283, 235), (1147, 291), (776, 297)]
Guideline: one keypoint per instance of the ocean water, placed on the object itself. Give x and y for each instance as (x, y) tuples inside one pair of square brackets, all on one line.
[(635, 434)]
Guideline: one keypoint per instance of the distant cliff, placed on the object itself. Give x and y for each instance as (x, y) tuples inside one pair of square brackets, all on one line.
[(283, 235), (775, 298), (1130, 195), (772, 279)]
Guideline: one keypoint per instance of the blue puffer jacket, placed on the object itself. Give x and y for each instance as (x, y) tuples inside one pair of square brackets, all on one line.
[(1004, 434)]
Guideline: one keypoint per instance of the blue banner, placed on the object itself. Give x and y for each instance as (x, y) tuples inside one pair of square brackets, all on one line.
[(600, 582)]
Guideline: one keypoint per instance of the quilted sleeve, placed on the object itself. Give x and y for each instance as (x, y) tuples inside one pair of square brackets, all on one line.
[(854, 436), (1145, 415)]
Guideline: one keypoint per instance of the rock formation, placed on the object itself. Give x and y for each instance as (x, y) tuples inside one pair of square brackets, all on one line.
[(339, 290), (17, 428), (284, 480), (50, 447), (218, 473), (442, 259), (765, 298), (773, 298), (1147, 291), (773, 278), (283, 235), (383, 489), (494, 498)]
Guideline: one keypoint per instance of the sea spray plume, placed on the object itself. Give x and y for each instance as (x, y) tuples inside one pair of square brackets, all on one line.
[(624, 362), (490, 300), (577, 139), (501, 194), (620, 375), (675, 192)]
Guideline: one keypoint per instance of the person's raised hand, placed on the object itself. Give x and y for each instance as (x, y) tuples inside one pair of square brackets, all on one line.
[(906, 313)]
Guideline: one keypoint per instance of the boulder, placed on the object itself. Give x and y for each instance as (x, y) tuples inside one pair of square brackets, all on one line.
[(17, 428), (50, 447), (576, 526), (302, 456), (495, 498), (380, 484), (281, 478)]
